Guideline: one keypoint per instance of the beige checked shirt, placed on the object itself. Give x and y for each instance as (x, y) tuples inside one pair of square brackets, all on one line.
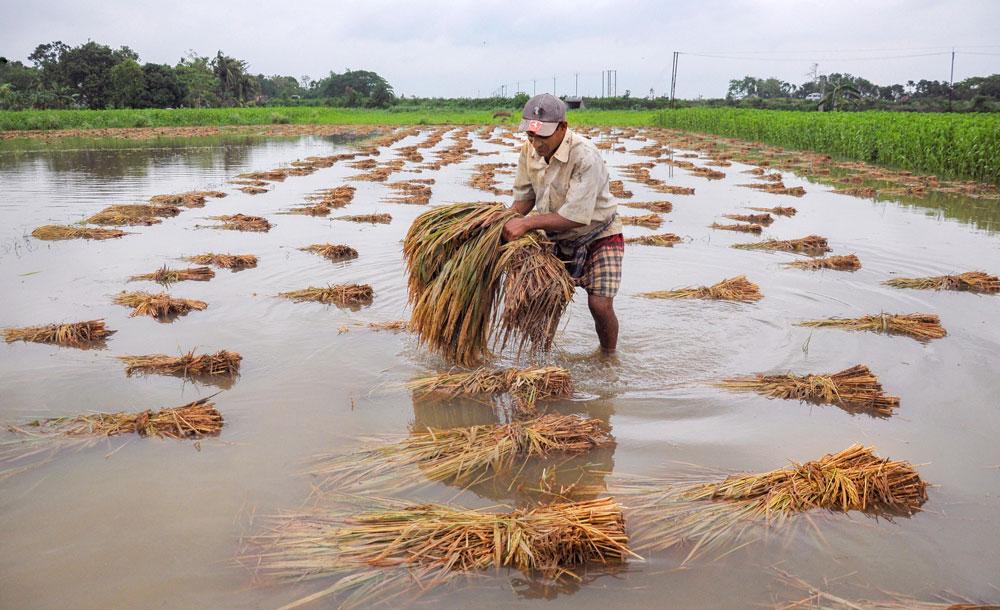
[(573, 184)]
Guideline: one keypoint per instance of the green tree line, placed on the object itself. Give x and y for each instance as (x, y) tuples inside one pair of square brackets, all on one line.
[(97, 77)]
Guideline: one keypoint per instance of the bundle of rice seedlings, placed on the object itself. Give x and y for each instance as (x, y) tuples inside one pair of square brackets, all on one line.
[(197, 419), (920, 326), (618, 189), (652, 221), (460, 455), (223, 261), (372, 218), (970, 281), (56, 232), (327, 199), (334, 252), (732, 289), (435, 544), (191, 199), (672, 190), (456, 263), (137, 214), (157, 305), (745, 228), (76, 334), (810, 245), (760, 219), (339, 294), (706, 172), (848, 262), (855, 389), (777, 211), (242, 222), (220, 363), (527, 385), (666, 239), (252, 190), (274, 175), (777, 188), (166, 275), (707, 515), (662, 207)]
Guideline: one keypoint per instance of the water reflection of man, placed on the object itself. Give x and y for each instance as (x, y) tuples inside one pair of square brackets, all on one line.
[(562, 174)]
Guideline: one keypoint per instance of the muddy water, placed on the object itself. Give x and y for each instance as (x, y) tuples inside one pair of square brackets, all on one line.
[(139, 523)]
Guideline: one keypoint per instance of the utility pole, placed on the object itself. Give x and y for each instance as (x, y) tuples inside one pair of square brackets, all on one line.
[(612, 78), (951, 81), (673, 79), (534, 87), (576, 86), (602, 83), (553, 85)]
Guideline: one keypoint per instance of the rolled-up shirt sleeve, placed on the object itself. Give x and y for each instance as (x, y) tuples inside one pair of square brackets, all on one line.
[(581, 195), (523, 191)]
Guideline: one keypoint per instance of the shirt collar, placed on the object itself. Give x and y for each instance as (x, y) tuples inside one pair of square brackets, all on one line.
[(562, 153)]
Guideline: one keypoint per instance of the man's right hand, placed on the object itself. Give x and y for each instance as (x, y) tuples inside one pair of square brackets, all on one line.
[(515, 228)]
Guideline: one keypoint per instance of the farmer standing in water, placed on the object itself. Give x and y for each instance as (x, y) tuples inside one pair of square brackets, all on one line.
[(563, 175)]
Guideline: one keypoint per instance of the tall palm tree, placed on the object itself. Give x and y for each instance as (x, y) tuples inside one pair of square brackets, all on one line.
[(840, 94)]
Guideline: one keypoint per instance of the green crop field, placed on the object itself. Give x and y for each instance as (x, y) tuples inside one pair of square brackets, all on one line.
[(950, 145)]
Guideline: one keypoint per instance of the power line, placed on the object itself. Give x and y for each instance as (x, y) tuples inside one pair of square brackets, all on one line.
[(800, 59)]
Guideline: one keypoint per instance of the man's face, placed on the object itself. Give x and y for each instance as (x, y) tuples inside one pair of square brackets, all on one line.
[(546, 147)]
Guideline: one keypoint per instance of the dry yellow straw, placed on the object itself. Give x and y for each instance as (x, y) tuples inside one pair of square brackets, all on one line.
[(920, 326), (732, 289)]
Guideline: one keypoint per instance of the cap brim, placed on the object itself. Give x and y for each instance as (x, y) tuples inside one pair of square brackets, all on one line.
[(537, 127)]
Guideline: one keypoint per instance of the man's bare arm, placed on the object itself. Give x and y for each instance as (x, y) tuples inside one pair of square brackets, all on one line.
[(523, 207), (516, 227)]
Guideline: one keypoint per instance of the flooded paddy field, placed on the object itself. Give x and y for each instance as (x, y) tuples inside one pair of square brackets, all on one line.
[(136, 522)]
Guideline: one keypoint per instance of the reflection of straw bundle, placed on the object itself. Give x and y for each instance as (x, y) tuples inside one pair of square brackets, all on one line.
[(853, 389), (817, 598), (55, 232), (733, 289), (168, 276), (223, 261), (73, 335), (462, 455), (157, 305), (372, 218), (666, 239), (649, 220), (437, 543), (716, 515), (777, 211), (220, 363), (920, 326), (809, 244), (745, 228), (848, 262), (970, 281), (194, 420), (456, 263), (334, 252), (242, 222), (339, 294)]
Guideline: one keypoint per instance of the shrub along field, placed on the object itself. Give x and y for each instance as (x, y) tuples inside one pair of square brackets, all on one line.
[(950, 145)]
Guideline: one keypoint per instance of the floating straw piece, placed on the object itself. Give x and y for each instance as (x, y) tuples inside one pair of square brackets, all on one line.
[(759, 219), (157, 305), (168, 276), (733, 289), (848, 262), (339, 294), (56, 232), (218, 364), (745, 228), (716, 515), (855, 389), (920, 326), (334, 252), (191, 199), (666, 239), (662, 207), (970, 281), (372, 218), (223, 261), (809, 244), (242, 222), (652, 221), (137, 214), (437, 543), (198, 419), (777, 211), (459, 455), (76, 334), (456, 263)]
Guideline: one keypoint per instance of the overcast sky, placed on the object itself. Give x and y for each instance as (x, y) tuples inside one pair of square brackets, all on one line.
[(465, 49)]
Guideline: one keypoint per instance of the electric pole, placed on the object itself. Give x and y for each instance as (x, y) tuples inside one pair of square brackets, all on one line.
[(576, 86), (951, 81), (673, 79), (534, 87), (553, 85)]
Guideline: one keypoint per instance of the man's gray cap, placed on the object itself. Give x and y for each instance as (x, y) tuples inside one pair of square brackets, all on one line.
[(542, 115)]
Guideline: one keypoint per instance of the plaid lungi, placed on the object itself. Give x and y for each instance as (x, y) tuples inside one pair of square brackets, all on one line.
[(602, 273)]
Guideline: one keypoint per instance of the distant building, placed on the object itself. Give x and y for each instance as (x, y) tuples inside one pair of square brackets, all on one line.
[(574, 103)]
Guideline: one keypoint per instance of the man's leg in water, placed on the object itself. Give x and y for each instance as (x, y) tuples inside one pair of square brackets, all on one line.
[(605, 321)]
